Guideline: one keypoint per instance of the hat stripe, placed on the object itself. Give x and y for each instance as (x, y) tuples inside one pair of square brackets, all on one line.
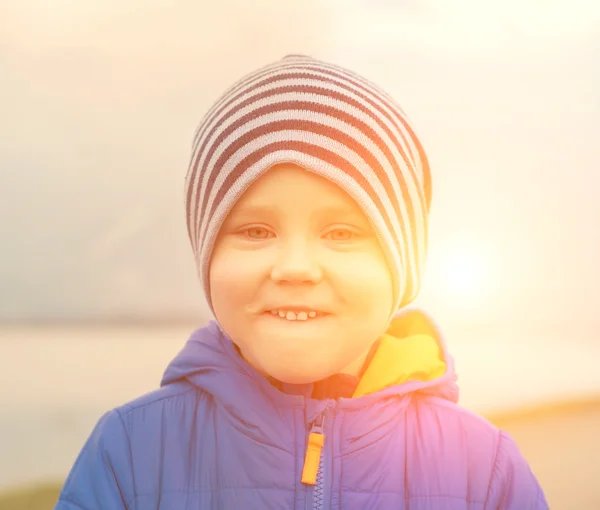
[(333, 133), (322, 78), (247, 98), (351, 160), (364, 90), (241, 84), (344, 102), (337, 114), (349, 113)]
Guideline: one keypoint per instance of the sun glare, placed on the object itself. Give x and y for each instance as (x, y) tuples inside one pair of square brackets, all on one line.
[(460, 276), (464, 275)]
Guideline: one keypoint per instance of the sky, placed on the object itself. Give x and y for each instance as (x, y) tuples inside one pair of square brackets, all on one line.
[(100, 100)]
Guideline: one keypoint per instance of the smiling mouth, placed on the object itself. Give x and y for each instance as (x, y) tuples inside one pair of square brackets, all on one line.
[(295, 316)]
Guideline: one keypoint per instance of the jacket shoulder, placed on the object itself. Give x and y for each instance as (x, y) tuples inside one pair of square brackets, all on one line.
[(101, 476), (457, 443), (158, 397), (490, 456), (452, 412)]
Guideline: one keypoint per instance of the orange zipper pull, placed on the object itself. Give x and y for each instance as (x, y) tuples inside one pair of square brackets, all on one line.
[(314, 448)]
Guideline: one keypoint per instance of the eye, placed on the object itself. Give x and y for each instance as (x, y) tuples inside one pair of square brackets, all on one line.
[(341, 234), (258, 233)]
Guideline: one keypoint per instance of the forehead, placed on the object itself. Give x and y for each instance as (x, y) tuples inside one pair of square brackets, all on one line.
[(289, 186)]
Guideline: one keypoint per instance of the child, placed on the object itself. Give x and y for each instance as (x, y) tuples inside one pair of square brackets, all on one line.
[(307, 200)]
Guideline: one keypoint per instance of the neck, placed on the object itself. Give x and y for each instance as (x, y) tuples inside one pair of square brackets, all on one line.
[(355, 369)]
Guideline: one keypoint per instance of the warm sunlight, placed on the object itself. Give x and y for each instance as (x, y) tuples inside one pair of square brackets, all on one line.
[(461, 275), (465, 275)]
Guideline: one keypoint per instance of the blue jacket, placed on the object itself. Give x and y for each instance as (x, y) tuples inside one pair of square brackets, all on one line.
[(218, 435)]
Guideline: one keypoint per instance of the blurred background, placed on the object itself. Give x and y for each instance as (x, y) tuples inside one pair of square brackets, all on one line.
[(98, 290)]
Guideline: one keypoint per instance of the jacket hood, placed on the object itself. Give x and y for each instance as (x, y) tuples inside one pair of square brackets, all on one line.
[(412, 357)]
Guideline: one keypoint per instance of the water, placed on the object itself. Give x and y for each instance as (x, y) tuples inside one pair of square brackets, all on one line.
[(57, 382)]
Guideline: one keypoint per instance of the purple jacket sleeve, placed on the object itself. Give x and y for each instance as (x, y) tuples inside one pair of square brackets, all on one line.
[(513, 485), (101, 477)]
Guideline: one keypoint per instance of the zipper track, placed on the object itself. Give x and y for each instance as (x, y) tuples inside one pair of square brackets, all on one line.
[(317, 496), (319, 490)]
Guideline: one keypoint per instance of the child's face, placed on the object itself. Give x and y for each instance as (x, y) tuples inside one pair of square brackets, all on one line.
[(295, 238)]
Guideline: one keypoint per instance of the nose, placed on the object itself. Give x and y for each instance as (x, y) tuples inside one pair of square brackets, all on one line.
[(296, 264)]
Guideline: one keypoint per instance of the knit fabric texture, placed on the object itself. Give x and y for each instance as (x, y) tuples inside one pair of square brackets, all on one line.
[(330, 121)]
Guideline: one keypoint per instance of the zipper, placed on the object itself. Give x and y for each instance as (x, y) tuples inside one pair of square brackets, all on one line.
[(319, 491), (312, 474)]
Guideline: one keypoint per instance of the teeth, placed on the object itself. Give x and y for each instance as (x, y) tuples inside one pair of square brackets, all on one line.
[(293, 316)]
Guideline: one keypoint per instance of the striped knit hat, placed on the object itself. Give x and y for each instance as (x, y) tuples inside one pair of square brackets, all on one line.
[(327, 120)]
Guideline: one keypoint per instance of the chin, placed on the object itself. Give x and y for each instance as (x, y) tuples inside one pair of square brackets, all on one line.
[(284, 374)]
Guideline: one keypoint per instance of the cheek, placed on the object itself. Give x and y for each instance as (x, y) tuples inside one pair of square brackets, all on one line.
[(233, 277), (366, 280)]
